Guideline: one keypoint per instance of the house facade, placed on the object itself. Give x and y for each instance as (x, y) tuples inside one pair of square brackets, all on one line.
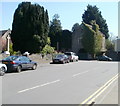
[(117, 48), (77, 46), (3, 39)]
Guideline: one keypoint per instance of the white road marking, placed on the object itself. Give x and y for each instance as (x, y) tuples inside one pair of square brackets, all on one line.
[(38, 86), (79, 73), (84, 72)]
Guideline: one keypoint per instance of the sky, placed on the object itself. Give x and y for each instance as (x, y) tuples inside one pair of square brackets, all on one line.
[(69, 12)]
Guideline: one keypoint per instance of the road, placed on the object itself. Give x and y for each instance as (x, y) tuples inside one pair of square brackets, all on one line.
[(69, 83)]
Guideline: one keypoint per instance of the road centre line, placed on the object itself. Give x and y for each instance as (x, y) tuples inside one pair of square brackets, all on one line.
[(83, 72), (91, 98), (48, 83), (79, 73)]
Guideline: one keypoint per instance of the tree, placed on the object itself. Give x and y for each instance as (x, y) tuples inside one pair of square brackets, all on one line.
[(66, 40), (55, 30), (75, 26), (30, 28), (92, 39), (109, 45), (93, 13)]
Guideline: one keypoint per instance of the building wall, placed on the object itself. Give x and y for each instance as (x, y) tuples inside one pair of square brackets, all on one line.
[(3, 40), (76, 40), (117, 45)]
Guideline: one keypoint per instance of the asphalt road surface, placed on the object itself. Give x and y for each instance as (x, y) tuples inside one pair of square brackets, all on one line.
[(72, 83)]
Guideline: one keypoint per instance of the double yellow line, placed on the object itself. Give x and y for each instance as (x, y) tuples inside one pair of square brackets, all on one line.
[(92, 98)]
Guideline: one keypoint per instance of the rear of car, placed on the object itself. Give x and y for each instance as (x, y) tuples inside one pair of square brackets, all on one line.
[(72, 56)]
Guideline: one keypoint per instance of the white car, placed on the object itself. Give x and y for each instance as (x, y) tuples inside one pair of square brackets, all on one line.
[(72, 56), (3, 69)]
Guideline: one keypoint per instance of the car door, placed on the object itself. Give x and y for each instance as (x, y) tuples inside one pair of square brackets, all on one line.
[(28, 61), (23, 62)]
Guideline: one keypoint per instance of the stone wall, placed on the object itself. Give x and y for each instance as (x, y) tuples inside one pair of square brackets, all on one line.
[(76, 40)]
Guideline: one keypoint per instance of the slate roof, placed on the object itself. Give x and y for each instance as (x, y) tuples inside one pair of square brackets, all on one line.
[(2, 32)]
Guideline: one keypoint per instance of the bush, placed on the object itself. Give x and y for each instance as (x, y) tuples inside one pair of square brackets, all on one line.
[(47, 50), (12, 52)]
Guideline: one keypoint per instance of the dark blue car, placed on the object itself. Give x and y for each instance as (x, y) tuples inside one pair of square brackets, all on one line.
[(17, 63)]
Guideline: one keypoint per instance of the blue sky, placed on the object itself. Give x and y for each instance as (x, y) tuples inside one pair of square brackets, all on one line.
[(69, 12)]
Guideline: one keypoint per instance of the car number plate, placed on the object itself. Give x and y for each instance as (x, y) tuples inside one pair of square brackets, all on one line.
[(56, 60)]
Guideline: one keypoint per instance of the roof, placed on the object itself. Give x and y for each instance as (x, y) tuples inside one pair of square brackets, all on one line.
[(2, 32)]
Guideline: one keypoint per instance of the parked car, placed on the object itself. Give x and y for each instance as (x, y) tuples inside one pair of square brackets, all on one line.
[(17, 63), (104, 58), (60, 58), (72, 56), (3, 69)]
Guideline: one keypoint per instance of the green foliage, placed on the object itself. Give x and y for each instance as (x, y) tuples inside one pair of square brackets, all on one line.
[(75, 26), (48, 41), (47, 49), (55, 30), (109, 45), (92, 39), (12, 52), (93, 13), (11, 49), (30, 28), (66, 40), (98, 43), (88, 39)]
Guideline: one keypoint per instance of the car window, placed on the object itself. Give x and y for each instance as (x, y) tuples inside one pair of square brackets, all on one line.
[(24, 59), (58, 56), (11, 58), (68, 53)]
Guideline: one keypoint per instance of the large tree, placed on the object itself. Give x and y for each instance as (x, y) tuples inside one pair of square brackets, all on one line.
[(66, 40), (75, 26), (30, 28), (93, 13), (55, 31)]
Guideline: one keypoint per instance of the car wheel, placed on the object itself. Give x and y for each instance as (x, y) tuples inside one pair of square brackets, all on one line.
[(34, 67), (63, 62), (68, 61), (2, 71), (19, 68)]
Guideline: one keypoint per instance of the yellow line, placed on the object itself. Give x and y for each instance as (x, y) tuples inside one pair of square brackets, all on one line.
[(93, 99), (85, 101)]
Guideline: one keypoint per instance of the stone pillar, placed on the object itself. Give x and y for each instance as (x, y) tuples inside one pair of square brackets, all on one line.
[(8, 42)]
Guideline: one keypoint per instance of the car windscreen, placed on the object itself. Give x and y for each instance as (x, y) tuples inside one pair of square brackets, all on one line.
[(12, 58), (68, 54), (59, 56)]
